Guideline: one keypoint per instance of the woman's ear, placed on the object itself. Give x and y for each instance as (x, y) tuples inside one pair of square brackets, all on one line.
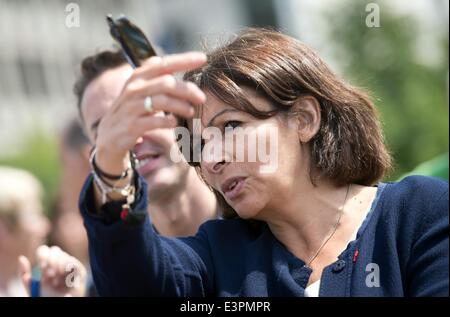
[(308, 116)]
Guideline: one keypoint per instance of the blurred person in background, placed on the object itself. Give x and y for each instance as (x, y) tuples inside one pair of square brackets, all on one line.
[(23, 233), (74, 148), (68, 231), (23, 225), (179, 201)]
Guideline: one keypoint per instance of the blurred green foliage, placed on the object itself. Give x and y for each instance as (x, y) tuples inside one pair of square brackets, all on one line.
[(436, 167), (39, 155), (412, 97)]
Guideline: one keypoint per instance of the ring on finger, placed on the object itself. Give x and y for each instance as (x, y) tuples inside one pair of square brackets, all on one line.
[(148, 104)]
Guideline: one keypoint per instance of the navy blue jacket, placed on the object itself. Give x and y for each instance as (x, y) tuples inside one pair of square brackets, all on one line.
[(401, 249)]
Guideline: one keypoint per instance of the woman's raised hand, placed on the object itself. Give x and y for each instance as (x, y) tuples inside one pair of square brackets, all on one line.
[(128, 119)]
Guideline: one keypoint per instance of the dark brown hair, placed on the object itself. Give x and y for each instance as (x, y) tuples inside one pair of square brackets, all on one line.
[(92, 67), (349, 146)]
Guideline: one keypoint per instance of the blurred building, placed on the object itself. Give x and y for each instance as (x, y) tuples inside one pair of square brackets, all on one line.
[(40, 52)]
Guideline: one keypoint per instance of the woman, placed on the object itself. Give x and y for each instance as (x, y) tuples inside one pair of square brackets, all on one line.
[(319, 224)]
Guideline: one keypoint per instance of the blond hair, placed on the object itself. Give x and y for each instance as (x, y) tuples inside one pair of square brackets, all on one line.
[(19, 191)]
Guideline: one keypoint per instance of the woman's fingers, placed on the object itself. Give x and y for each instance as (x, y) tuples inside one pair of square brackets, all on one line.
[(160, 103), (146, 123), (172, 105), (168, 64), (166, 84), (131, 128), (128, 119), (167, 94)]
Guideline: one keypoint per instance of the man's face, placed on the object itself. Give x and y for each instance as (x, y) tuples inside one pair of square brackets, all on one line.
[(153, 149)]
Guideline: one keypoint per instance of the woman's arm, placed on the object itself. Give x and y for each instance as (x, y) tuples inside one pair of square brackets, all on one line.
[(132, 260)]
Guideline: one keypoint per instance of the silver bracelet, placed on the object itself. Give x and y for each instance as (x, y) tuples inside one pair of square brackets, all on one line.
[(126, 191)]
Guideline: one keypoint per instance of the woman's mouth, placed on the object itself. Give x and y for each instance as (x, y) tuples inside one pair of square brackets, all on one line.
[(232, 187), (148, 163)]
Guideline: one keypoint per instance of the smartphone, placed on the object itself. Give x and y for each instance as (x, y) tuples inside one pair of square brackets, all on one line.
[(135, 45)]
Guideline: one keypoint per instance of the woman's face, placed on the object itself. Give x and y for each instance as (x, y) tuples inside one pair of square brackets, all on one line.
[(255, 185)]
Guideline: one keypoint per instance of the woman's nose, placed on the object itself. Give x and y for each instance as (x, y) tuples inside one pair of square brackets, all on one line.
[(215, 157), (214, 162), (215, 167)]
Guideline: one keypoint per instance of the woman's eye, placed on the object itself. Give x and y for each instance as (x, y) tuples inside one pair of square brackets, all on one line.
[(231, 124)]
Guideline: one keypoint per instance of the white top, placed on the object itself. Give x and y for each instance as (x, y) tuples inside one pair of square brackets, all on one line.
[(312, 290)]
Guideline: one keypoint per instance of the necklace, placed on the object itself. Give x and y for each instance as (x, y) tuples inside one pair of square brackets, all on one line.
[(341, 209)]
